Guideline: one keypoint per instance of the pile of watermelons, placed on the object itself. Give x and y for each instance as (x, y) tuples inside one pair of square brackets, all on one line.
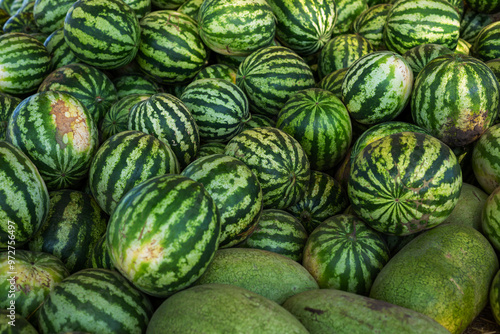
[(249, 166)]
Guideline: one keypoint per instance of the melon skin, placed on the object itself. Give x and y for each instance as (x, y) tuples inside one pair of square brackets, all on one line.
[(445, 273)]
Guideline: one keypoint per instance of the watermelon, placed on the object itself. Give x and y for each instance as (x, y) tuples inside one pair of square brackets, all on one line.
[(319, 121), (99, 255), (4, 16), (167, 4), (34, 275), (279, 162), (494, 297), (258, 121), (102, 33), (333, 82), (236, 27), (96, 301), (218, 71), (407, 28), (87, 84), (377, 87), (455, 118), (222, 308), (210, 148), (279, 232), (420, 55), (347, 11), (324, 198), (471, 24), (167, 118), (484, 6), (24, 203), (268, 274), (463, 47), (469, 207), (270, 76), (7, 105), (486, 45), (190, 8), (486, 161), (341, 51), (49, 15), (218, 106), (125, 160), (129, 84), (13, 323), (170, 49), (116, 119), (22, 21), (346, 254), (60, 53), (445, 273), (304, 26), (404, 183), (163, 234), (490, 219), (22, 77), (370, 24), (235, 190), (74, 224), (140, 7), (58, 134)]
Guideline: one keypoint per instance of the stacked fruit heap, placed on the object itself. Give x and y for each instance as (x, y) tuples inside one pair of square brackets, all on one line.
[(249, 166)]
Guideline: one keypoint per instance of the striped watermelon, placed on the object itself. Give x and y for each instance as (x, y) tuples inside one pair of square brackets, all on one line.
[(22, 21), (99, 255), (49, 15), (218, 71), (486, 161), (420, 55), (170, 50), (270, 76), (471, 24), (490, 219), (60, 53), (455, 118), (167, 4), (258, 121), (347, 11), (484, 6), (35, 273), (24, 197), (87, 84), (324, 198), (333, 82), (370, 24), (404, 183), (344, 253), (486, 45), (125, 160), (211, 148), (405, 27), (116, 119), (140, 7), (163, 234), (96, 301), (20, 77), (236, 27), (319, 121), (280, 232), (21, 324), (278, 161), (494, 297), (129, 84), (4, 16), (7, 105), (219, 107), (341, 51), (74, 224), (167, 118), (304, 26), (379, 131), (236, 192), (377, 87), (190, 8), (58, 134), (102, 33), (494, 66), (463, 47)]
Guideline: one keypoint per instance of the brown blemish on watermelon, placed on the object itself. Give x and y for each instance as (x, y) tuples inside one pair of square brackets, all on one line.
[(70, 123), (466, 131), (314, 310)]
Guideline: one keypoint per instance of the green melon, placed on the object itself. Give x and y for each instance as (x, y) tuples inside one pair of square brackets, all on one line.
[(7, 105), (486, 161), (490, 219)]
